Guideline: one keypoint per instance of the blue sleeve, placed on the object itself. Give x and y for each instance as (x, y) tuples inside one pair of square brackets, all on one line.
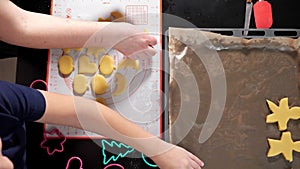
[(22, 102)]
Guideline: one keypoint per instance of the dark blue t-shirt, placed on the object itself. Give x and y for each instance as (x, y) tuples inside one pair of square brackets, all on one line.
[(18, 104)]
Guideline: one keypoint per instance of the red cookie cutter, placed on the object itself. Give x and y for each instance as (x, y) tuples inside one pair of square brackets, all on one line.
[(54, 131)]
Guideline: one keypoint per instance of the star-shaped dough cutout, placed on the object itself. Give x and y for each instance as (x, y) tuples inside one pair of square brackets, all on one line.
[(282, 113), (284, 146)]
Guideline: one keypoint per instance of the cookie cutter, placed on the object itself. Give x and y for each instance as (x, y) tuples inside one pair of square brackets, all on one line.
[(114, 165), (37, 82), (46, 139), (148, 163), (74, 158)]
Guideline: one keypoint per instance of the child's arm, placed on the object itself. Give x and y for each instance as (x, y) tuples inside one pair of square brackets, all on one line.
[(89, 115), (5, 163), (35, 30)]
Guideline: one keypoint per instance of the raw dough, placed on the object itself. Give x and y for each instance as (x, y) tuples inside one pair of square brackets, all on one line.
[(104, 20), (99, 84), (285, 146), (85, 66), (66, 51), (95, 51), (117, 16), (65, 64), (80, 84), (106, 64), (101, 100), (121, 84), (77, 49), (129, 63), (282, 113)]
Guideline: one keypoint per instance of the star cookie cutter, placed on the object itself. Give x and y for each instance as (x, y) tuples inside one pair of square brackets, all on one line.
[(54, 131)]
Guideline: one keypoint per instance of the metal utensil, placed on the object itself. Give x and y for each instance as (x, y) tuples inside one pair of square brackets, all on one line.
[(249, 6)]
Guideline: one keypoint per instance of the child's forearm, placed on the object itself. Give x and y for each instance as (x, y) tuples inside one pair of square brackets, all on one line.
[(91, 116)]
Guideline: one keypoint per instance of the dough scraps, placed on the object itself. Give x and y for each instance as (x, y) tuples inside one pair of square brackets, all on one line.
[(282, 113), (99, 84), (107, 65), (65, 64), (284, 146), (85, 66), (129, 63), (80, 84), (121, 84)]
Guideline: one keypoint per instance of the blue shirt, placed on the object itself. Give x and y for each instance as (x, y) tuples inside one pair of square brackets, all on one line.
[(18, 104)]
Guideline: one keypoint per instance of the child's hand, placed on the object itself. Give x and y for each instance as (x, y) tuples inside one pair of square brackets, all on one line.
[(5, 163), (178, 158)]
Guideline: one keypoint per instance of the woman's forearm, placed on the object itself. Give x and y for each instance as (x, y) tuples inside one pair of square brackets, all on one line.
[(37, 30)]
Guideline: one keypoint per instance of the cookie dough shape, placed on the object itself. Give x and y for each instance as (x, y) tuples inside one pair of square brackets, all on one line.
[(65, 64), (129, 63), (282, 113), (99, 84), (78, 49), (284, 146), (80, 84), (104, 20), (85, 66), (95, 51), (121, 84), (101, 100), (106, 65), (117, 16), (67, 51)]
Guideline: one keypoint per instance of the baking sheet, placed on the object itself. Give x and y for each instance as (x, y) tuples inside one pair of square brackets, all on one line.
[(230, 132)]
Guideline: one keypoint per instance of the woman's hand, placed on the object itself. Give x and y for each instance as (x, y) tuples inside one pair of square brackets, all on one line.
[(137, 46), (126, 38), (5, 163), (177, 158)]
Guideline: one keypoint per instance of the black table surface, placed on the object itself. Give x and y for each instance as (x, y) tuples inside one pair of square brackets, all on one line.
[(32, 64)]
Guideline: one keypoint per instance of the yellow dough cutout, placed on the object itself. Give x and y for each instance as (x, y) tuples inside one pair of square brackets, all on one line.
[(284, 146), (121, 84), (117, 16), (101, 100), (99, 84), (65, 64), (77, 49), (80, 84), (67, 51), (282, 113), (95, 51), (85, 66), (106, 65), (129, 63)]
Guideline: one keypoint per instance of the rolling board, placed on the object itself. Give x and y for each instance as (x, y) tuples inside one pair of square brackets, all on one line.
[(146, 91)]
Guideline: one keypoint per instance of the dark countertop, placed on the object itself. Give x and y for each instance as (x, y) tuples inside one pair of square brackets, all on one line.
[(32, 64)]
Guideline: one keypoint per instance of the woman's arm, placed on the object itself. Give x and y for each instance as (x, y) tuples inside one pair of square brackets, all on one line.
[(89, 115), (35, 30)]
